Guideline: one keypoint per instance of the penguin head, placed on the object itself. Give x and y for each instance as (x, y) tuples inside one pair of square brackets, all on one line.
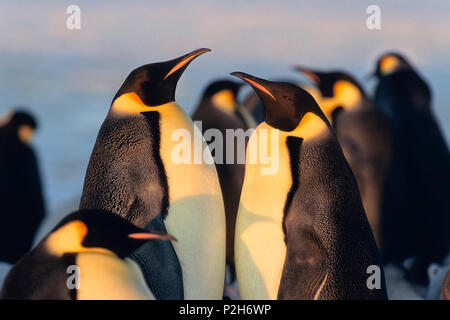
[(390, 62), (335, 84), (20, 123), (155, 83), (284, 103), (222, 93), (97, 230)]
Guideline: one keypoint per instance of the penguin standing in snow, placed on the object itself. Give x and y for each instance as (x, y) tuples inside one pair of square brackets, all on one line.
[(218, 109), (146, 167), (22, 201), (364, 134), (93, 245), (419, 177), (301, 230)]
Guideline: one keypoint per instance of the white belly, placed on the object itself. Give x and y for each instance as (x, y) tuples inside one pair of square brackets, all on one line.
[(259, 244)]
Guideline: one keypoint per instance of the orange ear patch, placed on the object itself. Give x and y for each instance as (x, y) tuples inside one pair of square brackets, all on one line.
[(25, 133)]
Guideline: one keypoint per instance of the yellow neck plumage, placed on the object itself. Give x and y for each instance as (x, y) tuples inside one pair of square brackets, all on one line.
[(69, 238), (224, 100), (130, 103)]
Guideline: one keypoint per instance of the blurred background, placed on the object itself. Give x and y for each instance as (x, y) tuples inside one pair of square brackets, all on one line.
[(67, 78)]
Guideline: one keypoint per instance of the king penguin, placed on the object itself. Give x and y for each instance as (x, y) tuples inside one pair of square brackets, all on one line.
[(89, 244), (419, 179), (219, 109), (21, 196), (151, 166), (301, 230), (364, 134)]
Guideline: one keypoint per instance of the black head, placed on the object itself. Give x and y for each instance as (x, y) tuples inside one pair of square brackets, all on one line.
[(20, 125), (102, 229), (21, 118), (220, 85), (285, 104), (155, 83), (326, 81), (389, 63)]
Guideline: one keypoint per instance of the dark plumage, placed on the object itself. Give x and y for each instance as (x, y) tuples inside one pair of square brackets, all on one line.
[(416, 198), (446, 287)]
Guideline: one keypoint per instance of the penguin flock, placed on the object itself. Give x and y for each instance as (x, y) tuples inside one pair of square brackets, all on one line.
[(355, 182)]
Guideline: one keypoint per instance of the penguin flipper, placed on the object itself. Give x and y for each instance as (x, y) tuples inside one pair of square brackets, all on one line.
[(305, 268)]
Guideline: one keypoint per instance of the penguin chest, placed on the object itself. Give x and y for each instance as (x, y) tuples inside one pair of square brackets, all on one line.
[(107, 277), (124, 175), (196, 213), (259, 243)]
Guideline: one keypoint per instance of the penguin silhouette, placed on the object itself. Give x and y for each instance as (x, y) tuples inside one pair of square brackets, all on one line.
[(416, 197), (144, 167)]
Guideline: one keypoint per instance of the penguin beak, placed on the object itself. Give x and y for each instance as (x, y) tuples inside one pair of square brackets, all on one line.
[(311, 75), (152, 236), (184, 61), (256, 83)]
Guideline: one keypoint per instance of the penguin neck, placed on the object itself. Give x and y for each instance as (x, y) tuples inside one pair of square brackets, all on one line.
[(346, 95), (311, 126), (130, 103)]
